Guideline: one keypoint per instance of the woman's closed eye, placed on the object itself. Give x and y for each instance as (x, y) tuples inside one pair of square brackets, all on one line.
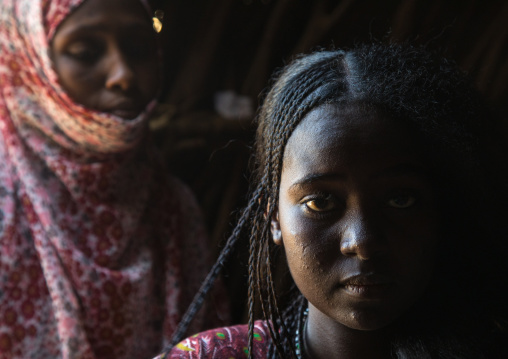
[(83, 51)]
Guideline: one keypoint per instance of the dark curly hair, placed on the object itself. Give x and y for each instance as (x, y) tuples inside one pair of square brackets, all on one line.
[(462, 314)]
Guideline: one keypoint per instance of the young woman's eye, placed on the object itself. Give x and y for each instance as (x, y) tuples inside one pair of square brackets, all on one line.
[(321, 204), (402, 201)]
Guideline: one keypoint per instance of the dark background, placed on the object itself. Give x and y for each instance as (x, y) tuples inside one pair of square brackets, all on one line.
[(217, 45)]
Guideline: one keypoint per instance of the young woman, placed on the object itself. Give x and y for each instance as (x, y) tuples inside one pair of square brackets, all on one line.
[(377, 175), (99, 249)]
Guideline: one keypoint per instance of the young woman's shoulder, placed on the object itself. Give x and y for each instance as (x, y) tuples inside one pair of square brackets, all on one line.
[(226, 342)]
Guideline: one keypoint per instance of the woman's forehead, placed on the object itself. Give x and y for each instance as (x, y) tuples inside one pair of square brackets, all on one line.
[(55, 11)]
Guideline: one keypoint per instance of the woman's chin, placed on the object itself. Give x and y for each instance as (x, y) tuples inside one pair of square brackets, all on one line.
[(365, 321)]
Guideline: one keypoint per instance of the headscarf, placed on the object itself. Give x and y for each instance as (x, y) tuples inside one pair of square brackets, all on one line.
[(99, 249)]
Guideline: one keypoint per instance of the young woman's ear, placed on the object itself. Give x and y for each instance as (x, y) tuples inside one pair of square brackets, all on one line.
[(275, 228)]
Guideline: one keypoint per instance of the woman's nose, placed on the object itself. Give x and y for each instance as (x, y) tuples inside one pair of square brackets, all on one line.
[(360, 237), (120, 75)]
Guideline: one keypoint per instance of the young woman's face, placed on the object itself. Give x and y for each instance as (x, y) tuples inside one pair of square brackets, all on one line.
[(357, 217), (105, 55)]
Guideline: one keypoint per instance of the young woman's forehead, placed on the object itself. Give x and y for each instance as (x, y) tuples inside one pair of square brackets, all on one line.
[(330, 122), (328, 134)]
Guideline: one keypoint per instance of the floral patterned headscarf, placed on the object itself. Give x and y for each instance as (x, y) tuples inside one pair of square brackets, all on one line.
[(92, 232), (27, 74)]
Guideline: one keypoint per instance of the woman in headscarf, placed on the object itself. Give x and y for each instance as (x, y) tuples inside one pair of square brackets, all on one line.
[(97, 242)]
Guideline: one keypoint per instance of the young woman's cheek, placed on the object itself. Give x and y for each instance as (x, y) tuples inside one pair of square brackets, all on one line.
[(417, 234), (309, 243), (311, 259)]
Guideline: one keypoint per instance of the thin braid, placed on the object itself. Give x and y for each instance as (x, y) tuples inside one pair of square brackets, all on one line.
[(291, 322), (262, 284), (252, 261), (198, 299), (271, 297), (253, 245), (263, 232), (251, 299)]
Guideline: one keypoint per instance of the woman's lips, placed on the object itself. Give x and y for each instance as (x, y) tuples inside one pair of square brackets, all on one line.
[(368, 286), (126, 114), (126, 108)]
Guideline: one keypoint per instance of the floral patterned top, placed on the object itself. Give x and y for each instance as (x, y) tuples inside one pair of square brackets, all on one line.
[(100, 250), (223, 343)]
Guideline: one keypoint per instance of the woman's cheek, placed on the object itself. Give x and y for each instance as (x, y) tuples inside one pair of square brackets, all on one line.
[(308, 251)]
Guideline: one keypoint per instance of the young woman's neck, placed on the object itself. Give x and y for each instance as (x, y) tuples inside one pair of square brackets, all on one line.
[(325, 338)]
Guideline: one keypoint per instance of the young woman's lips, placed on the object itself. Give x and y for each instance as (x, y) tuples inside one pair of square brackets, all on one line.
[(369, 286)]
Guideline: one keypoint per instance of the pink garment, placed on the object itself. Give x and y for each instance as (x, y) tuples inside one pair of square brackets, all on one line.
[(100, 252), (223, 343)]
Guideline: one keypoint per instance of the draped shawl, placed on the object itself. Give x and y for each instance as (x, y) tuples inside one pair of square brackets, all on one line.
[(100, 250)]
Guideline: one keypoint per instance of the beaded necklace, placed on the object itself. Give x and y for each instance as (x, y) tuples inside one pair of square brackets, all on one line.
[(299, 334)]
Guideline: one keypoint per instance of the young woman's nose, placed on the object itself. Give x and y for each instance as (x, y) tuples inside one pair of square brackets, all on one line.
[(360, 237), (120, 75)]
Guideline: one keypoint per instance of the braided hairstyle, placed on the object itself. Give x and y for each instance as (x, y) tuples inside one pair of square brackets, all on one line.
[(458, 135)]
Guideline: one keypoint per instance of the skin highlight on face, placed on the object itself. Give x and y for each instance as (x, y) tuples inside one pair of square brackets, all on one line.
[(105, 55), (357, 218)]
